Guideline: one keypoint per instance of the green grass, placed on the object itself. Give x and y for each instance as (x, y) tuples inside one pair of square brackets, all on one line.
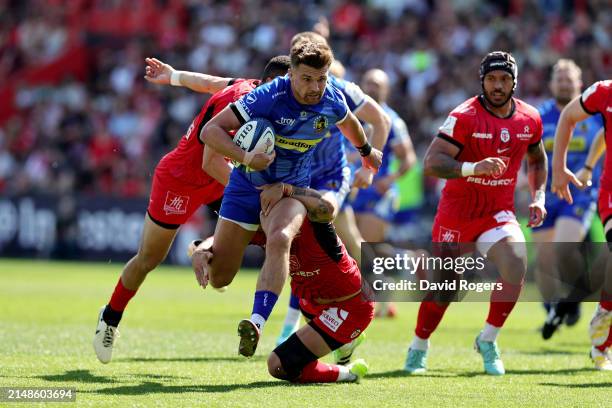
[(179, 348)]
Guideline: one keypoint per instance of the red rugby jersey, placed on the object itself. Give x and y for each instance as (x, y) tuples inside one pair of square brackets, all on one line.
[(480, 134), (185, 161), (320, 266), (598, 99)]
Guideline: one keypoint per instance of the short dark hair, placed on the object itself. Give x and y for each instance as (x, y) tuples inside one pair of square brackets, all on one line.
[(277, 66), (308, 36), (314, 54)]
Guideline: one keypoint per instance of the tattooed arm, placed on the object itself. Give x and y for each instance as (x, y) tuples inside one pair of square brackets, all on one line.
[(320, 207)]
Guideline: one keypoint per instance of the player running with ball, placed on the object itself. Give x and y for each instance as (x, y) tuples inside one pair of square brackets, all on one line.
[(479, 149)]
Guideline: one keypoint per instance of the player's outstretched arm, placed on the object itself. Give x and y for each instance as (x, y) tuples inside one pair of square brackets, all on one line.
[(319, 206), (161, 73), (537, 172), (440, 162), (596, 150), (371, 112), (215, 134), (350, 127), (562, 176)]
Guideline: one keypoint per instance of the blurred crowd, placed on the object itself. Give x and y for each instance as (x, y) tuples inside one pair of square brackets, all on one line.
[(77, 115)]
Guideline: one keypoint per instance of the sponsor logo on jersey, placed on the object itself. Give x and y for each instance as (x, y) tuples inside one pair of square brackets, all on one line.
[(504, 135), (303, 115), (482, 135), (286, 121), (306, 274), (301, 145), (505, 216), (333, 318), (251, 98), (448, 126), (175, 203), (490, 182), (294, 263), (320, 124), (502, 150), (448, 235), (355, 333), (609, 109)]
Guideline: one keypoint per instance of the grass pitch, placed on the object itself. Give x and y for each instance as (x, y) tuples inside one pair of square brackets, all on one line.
[(178, 347)]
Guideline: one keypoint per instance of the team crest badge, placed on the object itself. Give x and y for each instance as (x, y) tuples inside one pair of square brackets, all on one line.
[(320, 124), (505, 135)]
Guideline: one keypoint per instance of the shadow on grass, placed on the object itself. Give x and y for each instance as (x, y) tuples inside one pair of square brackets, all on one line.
[(586, 385), (237, 359), (159, 388), (77, 376), (402, 373), (450, 373), (552, 352), (563, 371)]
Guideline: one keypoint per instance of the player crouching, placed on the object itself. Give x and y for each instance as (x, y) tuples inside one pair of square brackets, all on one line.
[(328, 283)]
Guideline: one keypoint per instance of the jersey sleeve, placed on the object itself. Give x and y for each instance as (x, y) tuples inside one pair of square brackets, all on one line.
[(538, 131), (340, 108), (455, 129), (399, 132), (257, 103), (355, 98), (594, 98)]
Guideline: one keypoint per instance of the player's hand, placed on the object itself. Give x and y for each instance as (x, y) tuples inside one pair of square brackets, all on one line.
[(373, 160), (199, 259), (560, 184), (537, 214), (158, 72), (491, 166), (260, 161), (585, 176), (363, 178), (271, 194)]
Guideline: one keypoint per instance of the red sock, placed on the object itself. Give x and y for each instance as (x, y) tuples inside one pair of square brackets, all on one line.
[(606, 300), (607, 343), (502, 302), (121, 296), (430, 315), (319, 372)]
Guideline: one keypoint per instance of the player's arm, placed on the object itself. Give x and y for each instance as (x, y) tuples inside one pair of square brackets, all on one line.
[(351, 129), (562, 176), (161, 73), (440, 161), (406, 156), (371, 112), (319, 207), (537, 172), (216, 166), (215, 134), (596, 150)]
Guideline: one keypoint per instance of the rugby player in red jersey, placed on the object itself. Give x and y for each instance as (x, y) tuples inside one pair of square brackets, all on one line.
[(328, 283), (595, 99), (185, 179), (479, 149)]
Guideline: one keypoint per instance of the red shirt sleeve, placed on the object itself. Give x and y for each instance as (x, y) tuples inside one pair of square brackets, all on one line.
[(456, 129), (594, 98), (538, 131)]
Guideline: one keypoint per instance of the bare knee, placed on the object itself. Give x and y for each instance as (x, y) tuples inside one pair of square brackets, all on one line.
[(146, 261), (275, 368), (279, 239), (221, 276)]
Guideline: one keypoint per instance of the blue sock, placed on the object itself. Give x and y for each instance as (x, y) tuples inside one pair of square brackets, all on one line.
[(262, 307), (294, 302)]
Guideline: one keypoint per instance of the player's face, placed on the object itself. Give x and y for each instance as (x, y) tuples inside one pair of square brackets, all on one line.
[(376, 87), (308, 83), (565, 85), (498, 87)]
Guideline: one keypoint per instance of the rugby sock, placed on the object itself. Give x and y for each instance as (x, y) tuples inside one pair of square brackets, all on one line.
[(430, 315), (502, 302), (317, 371), (114, 310), (607, 343), (262, 307), (293, 313), (489, 333), (419, 344), (606, 300)]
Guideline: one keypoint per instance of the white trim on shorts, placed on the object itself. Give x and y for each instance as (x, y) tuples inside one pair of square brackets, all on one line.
[(244, 225), (490, 237)]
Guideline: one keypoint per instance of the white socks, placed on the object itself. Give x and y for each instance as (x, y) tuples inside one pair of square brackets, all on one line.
[(419, 343), (258, 320), (489, 333)]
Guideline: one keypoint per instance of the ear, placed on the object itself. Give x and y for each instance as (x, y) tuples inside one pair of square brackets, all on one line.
[(290, 72)]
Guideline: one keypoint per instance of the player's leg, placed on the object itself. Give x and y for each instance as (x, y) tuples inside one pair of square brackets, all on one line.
[(346, 227), (505, 247), (545, 272), (281, 226), (154, 246)]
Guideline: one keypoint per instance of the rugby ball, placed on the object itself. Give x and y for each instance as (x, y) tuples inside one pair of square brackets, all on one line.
[(256, 135)]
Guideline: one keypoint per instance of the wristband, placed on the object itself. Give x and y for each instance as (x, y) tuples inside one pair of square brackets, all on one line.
[(589, 168), (539, 198), (174, 78), (365, 150), (467, 169)]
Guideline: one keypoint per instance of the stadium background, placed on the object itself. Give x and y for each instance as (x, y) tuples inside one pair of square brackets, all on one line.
[(81, 130)]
